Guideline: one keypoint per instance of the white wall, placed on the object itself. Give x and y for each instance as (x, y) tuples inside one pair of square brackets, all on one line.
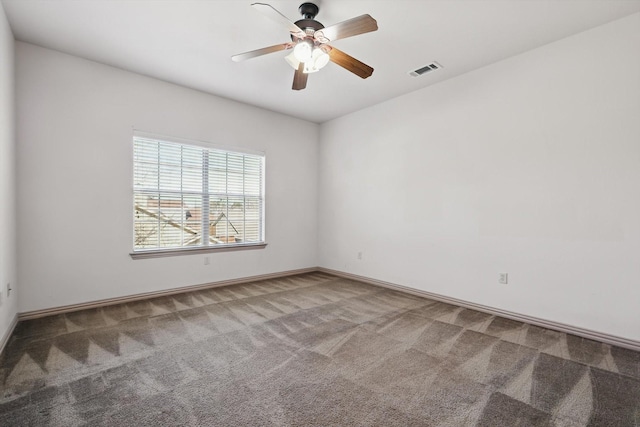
[(8, 263), (75, 121), (529, 166)]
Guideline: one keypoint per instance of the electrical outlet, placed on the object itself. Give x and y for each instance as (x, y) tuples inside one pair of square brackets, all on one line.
[(207, 261), (503, 278), (360, 256)]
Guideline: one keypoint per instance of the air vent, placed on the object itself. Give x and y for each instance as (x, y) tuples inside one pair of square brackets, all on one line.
[(426, 69)]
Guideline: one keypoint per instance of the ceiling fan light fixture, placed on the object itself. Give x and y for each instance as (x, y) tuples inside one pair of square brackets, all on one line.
[(309, 43), (292, 60), (319, 59), (303, 50), (308, 69)]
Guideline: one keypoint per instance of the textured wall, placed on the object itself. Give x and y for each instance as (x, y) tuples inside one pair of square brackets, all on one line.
[(75, 122), (8, 263), (530, 166)]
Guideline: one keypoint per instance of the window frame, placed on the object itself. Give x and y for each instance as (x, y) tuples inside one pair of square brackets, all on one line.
[(200, 249)]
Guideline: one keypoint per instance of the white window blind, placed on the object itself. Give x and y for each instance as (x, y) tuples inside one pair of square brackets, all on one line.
[(188, 196)]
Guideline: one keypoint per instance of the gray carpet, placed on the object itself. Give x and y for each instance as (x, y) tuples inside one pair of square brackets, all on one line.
[(309, 350)]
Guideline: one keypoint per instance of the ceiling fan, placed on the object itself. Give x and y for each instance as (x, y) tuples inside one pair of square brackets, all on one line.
[(309, 42)]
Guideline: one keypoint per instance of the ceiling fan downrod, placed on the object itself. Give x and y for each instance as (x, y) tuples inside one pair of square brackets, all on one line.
[(308, 10)]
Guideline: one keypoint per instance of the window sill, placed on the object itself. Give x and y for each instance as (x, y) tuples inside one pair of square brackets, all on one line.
[(159, 253)]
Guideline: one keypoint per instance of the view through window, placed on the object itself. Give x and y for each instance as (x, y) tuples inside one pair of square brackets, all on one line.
[(188, 196)]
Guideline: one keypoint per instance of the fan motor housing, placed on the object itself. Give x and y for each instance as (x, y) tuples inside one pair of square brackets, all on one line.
[(309, 24)]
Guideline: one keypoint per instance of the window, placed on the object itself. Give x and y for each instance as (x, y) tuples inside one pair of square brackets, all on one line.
[(188, 197)]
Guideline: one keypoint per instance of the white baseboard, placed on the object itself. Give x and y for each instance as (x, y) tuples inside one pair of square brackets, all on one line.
[(549, 324), (136, 297), (8, 332), (575, 330)]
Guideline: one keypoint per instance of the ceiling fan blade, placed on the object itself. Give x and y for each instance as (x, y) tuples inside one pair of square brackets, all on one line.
[(350, 63), (272, 13), (252, 54), (300, 78), (351, 27)]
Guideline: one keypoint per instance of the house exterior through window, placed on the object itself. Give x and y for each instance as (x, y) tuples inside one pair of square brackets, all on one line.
[(189, 195)]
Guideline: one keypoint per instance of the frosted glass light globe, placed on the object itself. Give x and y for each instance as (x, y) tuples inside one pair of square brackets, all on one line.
[(303, 51), (320, 58)]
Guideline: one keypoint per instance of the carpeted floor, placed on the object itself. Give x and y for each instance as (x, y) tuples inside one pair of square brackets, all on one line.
[(309, 350)]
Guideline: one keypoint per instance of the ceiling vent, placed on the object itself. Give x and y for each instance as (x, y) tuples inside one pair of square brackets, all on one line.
[(426, 69)]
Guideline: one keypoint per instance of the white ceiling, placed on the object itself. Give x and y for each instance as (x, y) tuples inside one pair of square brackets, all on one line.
[(190, 43)]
